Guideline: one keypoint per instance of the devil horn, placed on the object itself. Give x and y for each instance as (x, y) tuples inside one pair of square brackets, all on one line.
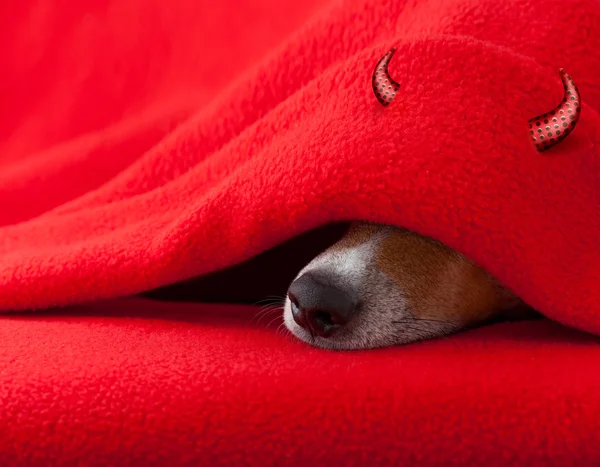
[(384, 86), (552, 127)]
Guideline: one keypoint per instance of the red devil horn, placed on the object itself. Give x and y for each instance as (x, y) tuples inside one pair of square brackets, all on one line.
[(554, 126), (384, 86)]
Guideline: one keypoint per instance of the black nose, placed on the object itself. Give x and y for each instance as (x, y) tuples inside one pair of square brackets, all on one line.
[(318, 307)]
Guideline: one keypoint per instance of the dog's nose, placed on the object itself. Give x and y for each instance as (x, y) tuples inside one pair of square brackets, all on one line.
[(319, 308)]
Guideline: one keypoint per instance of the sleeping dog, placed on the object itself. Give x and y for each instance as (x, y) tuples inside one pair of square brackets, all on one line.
[(381, 285)]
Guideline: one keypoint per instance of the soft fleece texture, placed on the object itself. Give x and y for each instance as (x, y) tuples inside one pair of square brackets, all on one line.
[(144, 142), (130, 382)]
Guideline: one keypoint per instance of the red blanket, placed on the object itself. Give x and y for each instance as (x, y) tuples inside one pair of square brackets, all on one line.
[(147, 142), (135, 383)]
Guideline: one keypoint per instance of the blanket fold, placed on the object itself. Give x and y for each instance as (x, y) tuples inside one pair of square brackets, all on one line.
[(155, 182)]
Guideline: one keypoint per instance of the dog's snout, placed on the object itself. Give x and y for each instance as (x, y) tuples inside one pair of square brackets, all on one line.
[(318, 307)]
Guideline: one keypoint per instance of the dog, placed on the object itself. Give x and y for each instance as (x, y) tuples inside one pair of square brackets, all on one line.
[(382, 285)]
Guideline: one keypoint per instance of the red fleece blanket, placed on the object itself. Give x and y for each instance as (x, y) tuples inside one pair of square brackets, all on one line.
[(146, 142), (138, 383)]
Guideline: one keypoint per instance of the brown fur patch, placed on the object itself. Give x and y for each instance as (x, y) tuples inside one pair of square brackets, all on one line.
[(438, 282)]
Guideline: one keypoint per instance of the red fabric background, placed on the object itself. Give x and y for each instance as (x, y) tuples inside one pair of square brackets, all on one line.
[(132, 382), (144, 142)]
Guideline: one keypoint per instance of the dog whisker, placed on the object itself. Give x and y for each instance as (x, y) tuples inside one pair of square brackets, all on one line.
[(259, 315), (422, 320), (265, 311), (273, 321), (271, 300), (281, 329)]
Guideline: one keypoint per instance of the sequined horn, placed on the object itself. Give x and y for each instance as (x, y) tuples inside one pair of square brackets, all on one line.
[(384, 86), (552, 127)]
